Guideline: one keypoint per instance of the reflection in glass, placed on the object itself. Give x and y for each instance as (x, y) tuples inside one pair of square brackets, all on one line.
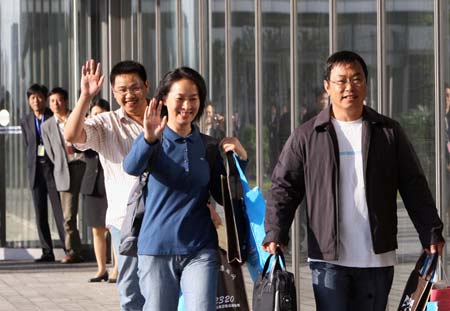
[(35, 38), (168, 36), (357, 31), (145, 38), (243, 80), (275, 83), (190, 24), (215, 111), (445, 153), (410, 93), (313, 47)]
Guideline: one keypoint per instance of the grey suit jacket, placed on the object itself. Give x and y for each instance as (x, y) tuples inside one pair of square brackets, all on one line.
[(28, 125), (55, 148)]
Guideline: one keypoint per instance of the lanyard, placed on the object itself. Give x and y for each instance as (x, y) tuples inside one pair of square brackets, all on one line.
[(38, 126)]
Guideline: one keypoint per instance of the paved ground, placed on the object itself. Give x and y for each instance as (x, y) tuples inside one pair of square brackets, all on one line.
[(25, 285)]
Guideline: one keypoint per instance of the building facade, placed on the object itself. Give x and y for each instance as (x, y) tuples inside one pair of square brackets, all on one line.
[(262, 60)]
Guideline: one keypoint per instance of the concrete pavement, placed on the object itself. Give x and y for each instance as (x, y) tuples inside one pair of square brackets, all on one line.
[(25, 285)]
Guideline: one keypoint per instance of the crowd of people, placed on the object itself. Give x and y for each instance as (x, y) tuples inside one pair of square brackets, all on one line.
[(347, 160)]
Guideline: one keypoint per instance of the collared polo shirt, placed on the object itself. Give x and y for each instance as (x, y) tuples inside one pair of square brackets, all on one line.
[(177, 220)]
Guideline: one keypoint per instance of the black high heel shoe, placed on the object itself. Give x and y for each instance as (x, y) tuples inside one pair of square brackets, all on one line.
[(100, 278)]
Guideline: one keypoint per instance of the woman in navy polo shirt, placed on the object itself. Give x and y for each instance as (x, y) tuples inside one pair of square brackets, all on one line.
[(177, 245)]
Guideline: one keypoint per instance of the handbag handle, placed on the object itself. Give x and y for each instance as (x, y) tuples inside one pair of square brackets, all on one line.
[(426, 265), (244, 181), (278, 258), (231, 164)]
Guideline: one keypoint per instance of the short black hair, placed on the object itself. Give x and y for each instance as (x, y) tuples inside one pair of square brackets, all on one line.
[(100, 102), (61, 91), (344, 57), (176, 75), (128, 66), (37, 88)]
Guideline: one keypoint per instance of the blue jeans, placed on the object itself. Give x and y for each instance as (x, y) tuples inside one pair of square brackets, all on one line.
[(162, 276), (127, 280), (338, 288)]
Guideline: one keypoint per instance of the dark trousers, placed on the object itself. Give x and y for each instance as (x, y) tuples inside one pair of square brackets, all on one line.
[(43, 187), (69, 202), (338, 288)]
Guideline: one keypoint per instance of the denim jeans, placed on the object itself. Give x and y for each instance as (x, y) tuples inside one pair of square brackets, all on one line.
[(162, 276), (338, 288), (127, 280)]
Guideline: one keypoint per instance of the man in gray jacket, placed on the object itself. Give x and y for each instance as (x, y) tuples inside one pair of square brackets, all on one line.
[(349, 162), (68, 170)]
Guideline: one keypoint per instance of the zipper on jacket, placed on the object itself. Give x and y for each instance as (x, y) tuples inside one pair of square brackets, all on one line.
[(335, 145)]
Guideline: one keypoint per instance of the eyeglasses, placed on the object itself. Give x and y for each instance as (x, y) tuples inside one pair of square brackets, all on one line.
[(135, 89), (356, 81)]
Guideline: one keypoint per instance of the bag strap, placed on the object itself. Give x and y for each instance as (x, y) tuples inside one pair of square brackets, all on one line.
[(244, 181), (236, 188), (426, 265), (430, 266), (278, 258), (210, 144), (279, 262)]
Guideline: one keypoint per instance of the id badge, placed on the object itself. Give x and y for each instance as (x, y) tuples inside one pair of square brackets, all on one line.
[(40, 150)]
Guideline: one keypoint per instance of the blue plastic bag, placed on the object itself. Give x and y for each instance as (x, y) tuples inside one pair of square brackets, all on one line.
[(255, 206), (432, 306)]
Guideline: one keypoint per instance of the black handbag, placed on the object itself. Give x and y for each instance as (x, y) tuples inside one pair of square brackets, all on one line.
[(418, 287), (236, 220), (275, 290)]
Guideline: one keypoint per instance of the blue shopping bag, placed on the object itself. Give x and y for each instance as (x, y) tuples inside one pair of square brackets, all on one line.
[(432, 306), (255, 206)]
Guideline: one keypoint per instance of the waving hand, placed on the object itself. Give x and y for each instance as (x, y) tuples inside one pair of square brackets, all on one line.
[(91, 80), (153, 123)]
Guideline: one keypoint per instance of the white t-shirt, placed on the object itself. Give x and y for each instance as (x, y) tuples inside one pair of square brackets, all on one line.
[(355, 240)]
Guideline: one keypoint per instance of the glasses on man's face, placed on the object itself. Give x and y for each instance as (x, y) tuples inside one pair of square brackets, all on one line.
[(341, 83), (134, 89)]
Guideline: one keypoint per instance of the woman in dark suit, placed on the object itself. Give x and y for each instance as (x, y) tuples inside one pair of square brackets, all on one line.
[(93, 188)]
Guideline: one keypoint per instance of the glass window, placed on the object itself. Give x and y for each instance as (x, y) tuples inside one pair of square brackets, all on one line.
[(168, 36), (145, 38), (445, 155), (312, 52), (357, 31), (35, 37), (190, 24), (243, 107), (276, 69), (410, 93), (214, 116)]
